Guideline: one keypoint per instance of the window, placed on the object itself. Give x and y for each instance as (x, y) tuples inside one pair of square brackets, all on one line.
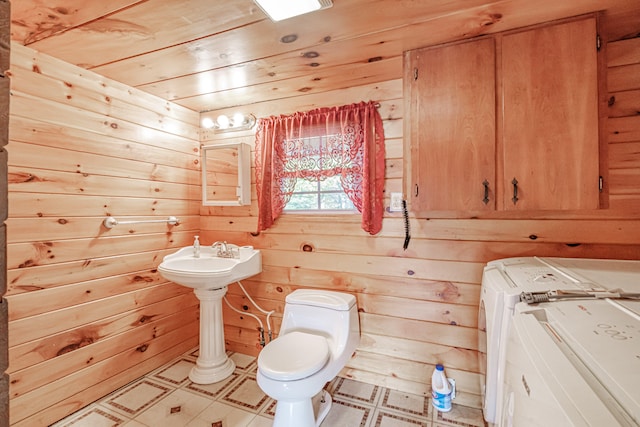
[(329, 159), (318, 175), (319, 195)]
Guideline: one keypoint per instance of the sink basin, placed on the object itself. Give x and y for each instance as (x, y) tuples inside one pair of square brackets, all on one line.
[(209, 271)]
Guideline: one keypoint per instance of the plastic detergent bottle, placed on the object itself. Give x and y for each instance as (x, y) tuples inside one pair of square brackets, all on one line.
[(440, 390)]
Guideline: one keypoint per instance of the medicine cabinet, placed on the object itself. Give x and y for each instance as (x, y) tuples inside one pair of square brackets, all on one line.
[(226, 174)]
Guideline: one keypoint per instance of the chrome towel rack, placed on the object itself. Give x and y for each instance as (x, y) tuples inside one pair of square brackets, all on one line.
[(110, 222)]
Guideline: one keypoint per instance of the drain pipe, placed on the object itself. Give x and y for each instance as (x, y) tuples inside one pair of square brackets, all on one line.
[(260, 329), (268, 313)]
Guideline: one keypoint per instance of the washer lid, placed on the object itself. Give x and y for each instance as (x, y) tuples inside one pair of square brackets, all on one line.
[(293, 356), (320, 298)]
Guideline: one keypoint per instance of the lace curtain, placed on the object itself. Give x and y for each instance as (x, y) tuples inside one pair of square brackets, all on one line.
[(347, 141)]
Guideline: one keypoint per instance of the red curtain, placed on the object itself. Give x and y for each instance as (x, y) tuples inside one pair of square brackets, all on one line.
[(346, 141)]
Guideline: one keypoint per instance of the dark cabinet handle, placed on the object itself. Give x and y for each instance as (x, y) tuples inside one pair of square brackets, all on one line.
[(514, 199), (486, 191)]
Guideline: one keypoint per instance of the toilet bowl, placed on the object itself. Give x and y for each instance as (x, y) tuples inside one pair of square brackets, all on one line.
[(320, 331)]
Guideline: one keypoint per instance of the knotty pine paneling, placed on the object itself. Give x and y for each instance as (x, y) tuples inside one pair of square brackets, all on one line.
[(5, 47), (419, 307), (88, 311)]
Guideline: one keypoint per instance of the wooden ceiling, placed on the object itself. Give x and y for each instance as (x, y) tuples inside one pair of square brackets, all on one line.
[(214, 54)]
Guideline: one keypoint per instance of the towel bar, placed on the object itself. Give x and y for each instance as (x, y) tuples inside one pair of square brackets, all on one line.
[(110, 222)]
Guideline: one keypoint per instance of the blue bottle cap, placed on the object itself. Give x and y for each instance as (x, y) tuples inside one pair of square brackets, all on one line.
[(439, 367)]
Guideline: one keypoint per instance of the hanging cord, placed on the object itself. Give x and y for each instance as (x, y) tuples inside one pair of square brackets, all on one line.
[(268, 313), (407, 230)]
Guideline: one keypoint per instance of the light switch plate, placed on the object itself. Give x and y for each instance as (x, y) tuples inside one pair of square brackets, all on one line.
[(396, 202)]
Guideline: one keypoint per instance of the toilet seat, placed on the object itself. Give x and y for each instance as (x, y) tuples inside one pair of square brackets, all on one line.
[(293, 356)]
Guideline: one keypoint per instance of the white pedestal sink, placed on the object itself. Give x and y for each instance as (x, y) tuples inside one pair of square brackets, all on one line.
[(208, 276)]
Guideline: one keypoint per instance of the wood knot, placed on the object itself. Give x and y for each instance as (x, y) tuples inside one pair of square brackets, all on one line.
[(83, 341), (289, 38), (533, 237), (142, 348), (307, 247), (28, 263), (493, 18), (144, 319)]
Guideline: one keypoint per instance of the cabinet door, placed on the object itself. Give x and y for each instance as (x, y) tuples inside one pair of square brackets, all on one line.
[(550, 104), (452, 126)]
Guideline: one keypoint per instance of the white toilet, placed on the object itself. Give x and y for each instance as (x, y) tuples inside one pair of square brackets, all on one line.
[(320, 331)]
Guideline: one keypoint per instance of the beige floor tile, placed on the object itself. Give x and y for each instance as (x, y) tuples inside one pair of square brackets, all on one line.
[(134, 423), (174, 410), (355, 390), (93, 416), (244, 362), (409, 404), (220, 415), (260, 421), (348, 414), (213, 390), (460, 416), (135, 398), (269, 410), (246, 394), (176, 372), (384, 418)]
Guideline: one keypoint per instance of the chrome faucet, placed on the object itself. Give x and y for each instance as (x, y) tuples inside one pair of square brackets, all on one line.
[(223, 250)]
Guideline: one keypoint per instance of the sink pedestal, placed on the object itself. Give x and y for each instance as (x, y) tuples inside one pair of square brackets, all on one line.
[(208, 274), (212, 365)]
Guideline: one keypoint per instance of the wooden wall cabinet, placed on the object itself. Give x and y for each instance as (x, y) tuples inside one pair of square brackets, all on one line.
[(505, 122)]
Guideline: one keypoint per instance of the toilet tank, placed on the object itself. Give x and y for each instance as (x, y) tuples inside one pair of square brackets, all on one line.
[(332, 300), (331, 314)]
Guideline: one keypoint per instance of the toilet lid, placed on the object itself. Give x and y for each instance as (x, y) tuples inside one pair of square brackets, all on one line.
[(293, 356)]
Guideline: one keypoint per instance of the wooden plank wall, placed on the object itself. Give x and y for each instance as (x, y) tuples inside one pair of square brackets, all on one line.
[(88, 311), (419, 307), (5, 48)]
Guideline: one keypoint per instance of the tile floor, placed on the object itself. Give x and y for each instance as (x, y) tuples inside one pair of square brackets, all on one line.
[(166, 398)]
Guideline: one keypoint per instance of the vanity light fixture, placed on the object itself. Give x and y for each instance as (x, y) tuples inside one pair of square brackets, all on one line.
[(278, 10), (224, 123)]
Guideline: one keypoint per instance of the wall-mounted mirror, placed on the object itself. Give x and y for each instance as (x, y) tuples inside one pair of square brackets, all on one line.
[(226, 174)]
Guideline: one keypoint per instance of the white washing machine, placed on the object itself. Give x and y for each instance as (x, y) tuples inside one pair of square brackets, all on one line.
[(574, 363), (502, 282)]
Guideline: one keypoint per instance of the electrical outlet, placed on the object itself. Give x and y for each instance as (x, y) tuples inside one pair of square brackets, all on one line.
[(396, 202)]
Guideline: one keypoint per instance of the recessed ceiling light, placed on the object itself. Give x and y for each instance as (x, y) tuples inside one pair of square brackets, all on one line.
[(278, 10)]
